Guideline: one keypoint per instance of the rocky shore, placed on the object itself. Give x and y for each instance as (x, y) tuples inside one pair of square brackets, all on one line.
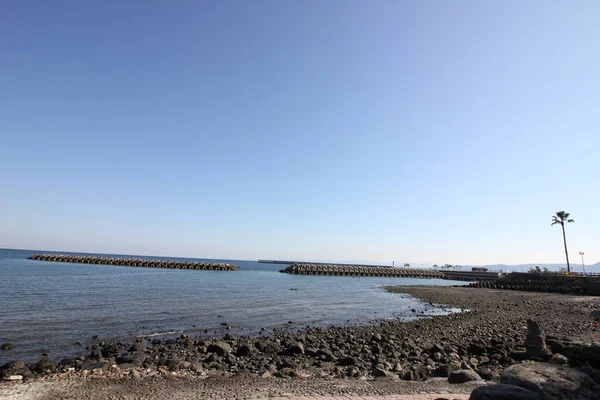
[(476, 345)]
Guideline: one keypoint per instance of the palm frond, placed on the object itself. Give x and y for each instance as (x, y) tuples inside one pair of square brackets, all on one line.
[(561, 217)]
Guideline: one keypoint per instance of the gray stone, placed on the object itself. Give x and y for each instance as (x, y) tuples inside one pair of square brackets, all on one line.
[(135, 374), (44, 366), (220, 348), (127, 358), (16, 367), (551, 381), (138, 346), (266, 374), (580, 354), (535, 341), (66, 362), (196, 367), (244, 351), (326, 366), (138, 358), (503, 392), (487, 373), (444, 370), (294, 348), (379, 372), (559, 359), (347, 361), (184, 365), (462, 376), (91, 364), (173, 363)]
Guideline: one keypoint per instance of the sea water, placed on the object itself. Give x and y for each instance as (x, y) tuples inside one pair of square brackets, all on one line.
[(49, 306)]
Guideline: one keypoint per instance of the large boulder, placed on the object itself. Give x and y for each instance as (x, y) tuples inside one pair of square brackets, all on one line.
[(380, 372), (503, 392), (137, 358), (578, 354), (535, 341), (91, 364), (16, 367), (220, 348), (268, 347), (535, 345), (173, 363), (294, 349), (137, 346), (44, 366), (462, 376), (551, 381), (111, 350), (244, 351), (348, 361)]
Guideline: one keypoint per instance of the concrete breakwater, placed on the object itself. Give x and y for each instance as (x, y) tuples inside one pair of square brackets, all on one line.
[(346, 270), (542, 282), (135, 262), (471, 276)]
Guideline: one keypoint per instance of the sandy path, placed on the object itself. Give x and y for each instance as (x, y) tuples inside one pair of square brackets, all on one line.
[(233, 388)]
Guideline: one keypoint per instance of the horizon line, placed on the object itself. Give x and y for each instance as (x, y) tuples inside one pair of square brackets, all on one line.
[(375, 263)]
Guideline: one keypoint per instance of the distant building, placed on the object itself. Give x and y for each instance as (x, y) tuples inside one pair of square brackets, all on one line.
[(479, 269)]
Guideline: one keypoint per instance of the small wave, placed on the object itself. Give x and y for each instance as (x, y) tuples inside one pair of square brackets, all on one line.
[(161, 333)]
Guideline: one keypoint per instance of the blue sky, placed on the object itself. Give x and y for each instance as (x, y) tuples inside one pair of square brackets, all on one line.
[(433, 132)]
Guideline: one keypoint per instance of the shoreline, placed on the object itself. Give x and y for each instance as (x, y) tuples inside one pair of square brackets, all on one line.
[(78, 345), (422, 351)]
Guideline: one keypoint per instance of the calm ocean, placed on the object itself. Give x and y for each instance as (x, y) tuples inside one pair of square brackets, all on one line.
[(46, 306)]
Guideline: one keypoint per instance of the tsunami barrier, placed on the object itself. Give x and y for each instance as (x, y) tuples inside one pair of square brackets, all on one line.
[(136, 262), (347, 270)]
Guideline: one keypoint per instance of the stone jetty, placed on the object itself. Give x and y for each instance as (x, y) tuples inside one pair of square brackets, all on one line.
[(347, 270), (135, 262)]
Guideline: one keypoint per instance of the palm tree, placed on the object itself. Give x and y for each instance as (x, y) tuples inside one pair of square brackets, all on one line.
[(560, 218)]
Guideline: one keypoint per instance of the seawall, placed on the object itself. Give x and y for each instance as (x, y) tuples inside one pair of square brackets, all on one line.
[(288, 262), (348, 270), (545, 282), (470, 276), (135, 262)]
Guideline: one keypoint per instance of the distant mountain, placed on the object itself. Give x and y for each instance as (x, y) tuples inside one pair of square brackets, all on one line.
[(593, 268), (576, 267)]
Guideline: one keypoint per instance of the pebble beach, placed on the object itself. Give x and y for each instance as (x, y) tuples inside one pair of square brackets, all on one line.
[(416, 356)]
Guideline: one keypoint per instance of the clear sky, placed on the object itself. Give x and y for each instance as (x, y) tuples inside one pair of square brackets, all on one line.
[(422, 131)]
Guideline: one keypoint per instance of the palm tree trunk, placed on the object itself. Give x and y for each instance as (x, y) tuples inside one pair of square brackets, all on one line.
[(566, 252)]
